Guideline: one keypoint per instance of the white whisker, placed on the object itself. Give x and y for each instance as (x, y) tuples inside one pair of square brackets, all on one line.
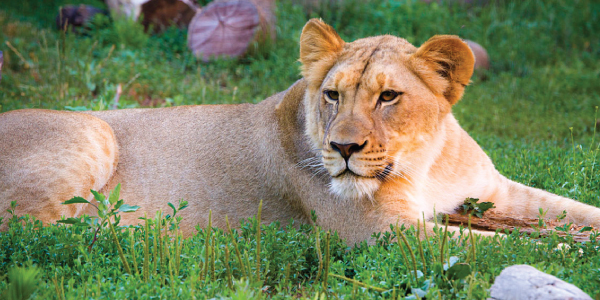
[(401, 170)]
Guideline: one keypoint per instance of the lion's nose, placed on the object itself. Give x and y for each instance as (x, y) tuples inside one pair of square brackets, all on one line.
[(347, 149)]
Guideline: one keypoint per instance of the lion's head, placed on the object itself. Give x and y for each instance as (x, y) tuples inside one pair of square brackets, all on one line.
[(374, 102)]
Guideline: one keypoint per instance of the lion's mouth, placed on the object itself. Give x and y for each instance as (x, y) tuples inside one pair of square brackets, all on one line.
[(380, 175), (347, 172)]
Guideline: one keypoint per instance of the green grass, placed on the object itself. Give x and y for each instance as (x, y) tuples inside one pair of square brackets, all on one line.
[(223, 265), (535, 116)]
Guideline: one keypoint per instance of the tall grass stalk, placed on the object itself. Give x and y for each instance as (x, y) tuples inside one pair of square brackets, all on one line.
[(318, 249), (429, 246), (178, 245), (401, 247), (412, 254), (258, 221), (358, 283), (207, 234), (23, 60), (161, 246), (286, 274), (473, 245), (593, 151), (132, 251), (228, 269), (116, 240), (574, 163), (60, 292), (169, 253), (327, 259), (146, 250), (443, 242), (212, 258), (236, 248), (155, 252), (420, 246), (247, 258)]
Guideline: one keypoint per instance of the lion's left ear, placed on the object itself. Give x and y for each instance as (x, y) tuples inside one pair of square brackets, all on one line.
[(445, 63), (319, 46)]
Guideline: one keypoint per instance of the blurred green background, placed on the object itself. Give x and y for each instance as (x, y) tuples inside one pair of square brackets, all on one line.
[(543, 79)]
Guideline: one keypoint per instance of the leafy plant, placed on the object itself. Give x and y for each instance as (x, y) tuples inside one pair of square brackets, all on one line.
[(542, 218), (174, 220), (470, 206), (562, 215), (12, 211), (565, 228), (107, 208), (119, 30)]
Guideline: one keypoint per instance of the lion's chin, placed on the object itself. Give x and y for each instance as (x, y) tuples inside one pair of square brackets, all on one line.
[(354, 187)]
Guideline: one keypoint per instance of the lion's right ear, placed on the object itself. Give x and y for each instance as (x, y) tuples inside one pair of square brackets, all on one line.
[(445, 63), (319, 47)]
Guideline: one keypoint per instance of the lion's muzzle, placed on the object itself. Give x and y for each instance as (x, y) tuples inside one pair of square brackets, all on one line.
[(347, 149)]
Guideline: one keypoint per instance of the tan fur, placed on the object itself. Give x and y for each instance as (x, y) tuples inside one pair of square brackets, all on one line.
[(414, 157)]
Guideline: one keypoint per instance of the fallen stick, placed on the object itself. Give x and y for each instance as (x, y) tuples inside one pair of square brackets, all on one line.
[(493, 221)]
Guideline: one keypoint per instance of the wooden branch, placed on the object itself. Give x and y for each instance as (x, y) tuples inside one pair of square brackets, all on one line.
[(493, 221)]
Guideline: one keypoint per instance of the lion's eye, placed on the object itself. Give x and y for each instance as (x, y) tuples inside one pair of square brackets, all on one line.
[(388, 96), (332, 95)]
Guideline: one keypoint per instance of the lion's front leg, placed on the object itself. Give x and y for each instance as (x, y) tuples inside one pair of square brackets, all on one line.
[(407, 214), (516, 199)]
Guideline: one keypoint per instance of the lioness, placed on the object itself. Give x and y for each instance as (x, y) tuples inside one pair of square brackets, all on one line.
[(366, 138)]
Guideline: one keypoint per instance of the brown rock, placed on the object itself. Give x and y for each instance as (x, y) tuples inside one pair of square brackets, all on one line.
[(75, 16), (160, 14), (266, 17), (482, 60)]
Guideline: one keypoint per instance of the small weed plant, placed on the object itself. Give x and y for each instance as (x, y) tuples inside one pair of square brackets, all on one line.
[(471, 207)]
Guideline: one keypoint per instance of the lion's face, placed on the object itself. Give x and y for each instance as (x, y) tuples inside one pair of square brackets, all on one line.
[(373, 113), (374, 103)]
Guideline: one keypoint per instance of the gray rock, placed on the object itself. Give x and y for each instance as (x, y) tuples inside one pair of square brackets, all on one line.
[(526, 282)]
